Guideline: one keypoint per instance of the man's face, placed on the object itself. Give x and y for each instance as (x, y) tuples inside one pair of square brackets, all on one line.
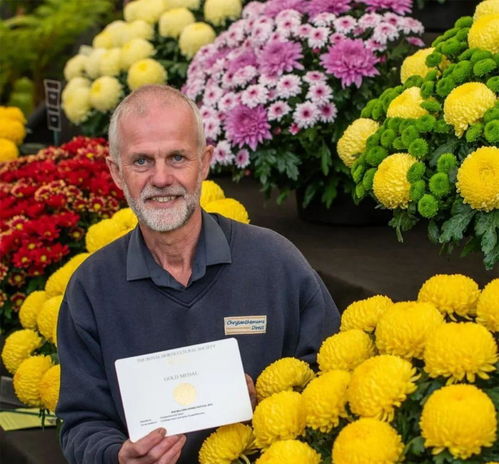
[(160, 167)]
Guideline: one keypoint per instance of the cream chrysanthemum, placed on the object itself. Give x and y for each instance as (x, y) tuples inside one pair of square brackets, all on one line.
[(407, 105), (364, 314), (487, 308), (8, 150), (74, 83), (12, 112), (140, 29), (345, 350), (147, 71), (466, 104), (49, 387), (485, 8), (484, 33), (283, 374), (125, 218), (210, 191), (57, 282), (27, 379), (103, 40), (191, 4), (118, 30), (12, 130), (404, 328), (278, 417), (30, 308), (173, 22), (92, 65), (146, 10), (135, 50), (105, 93), (218, 11), (289, 452), (460, 350), (478, 179), (451, 294), (324, 400), (353, 141), (194, 36), (415, 65), (19, 346), (76, 104), (228, 207), (227, 444), (110, 63), (461, 418), (390, 184), (102, 233), (46, 320), (75, 67), (379, 385), (367, 441)]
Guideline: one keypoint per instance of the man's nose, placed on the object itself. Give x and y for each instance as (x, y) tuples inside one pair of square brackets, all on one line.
[(162, 175)]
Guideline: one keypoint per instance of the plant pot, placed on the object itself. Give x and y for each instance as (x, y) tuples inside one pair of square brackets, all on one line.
[(438, 17), (343, 211)]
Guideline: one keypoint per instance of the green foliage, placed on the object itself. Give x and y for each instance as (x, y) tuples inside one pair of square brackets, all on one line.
[(483, 67), (491, 131), (416, 172), (439, 184), (418, 148), (446, 162), (427, 206)]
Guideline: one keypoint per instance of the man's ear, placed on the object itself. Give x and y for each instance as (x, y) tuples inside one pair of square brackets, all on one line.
[(206, 161), (114, 169)]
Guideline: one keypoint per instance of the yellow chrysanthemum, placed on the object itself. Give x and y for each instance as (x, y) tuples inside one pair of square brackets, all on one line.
[(75, 67), (364, 314), (324, 400), (27, 379), (404, 327), (8, 150), (210, 191), (125, 218), (172, 22), (379, 385), (140, 29), (487, 308), (466, 104), (147, 71), (390, 184), (92, 65), (289, 452), (12, 130), (485, 8), (407, 105), (74, 83), (194, 36), (218, 11), (283, 374), (415, 65), (460, 418), (105, 93), (76, 104), (46, 320), (367, 441), (353, 141), (191, 4), (110, 63), (228, 207), (451, 294), (57, 282), (103, 40), (227, 444), (478, 179), (49, 387), (484, 33), (146, 10), (12, 112), (460, 350), (135, 50), (345, 350), (103, 233), (19, 346), (30, 308), (278, 417), (118, 30)]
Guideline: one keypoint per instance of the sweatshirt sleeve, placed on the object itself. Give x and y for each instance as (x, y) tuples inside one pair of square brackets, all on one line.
[(90, 432)]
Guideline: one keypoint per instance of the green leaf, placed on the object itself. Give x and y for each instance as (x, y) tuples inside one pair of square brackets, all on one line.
[(433, 231), (415, 446), (330, 192), (486, 226), (326, 160), (454, 228)]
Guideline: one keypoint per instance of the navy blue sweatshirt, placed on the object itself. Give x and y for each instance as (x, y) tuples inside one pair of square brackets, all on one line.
[(113, 310)]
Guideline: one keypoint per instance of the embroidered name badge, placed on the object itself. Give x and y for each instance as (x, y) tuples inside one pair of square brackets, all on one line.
[(241, 325)]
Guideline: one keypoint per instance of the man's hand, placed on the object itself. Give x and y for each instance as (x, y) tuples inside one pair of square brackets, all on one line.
[(251, 390), (154, 448)]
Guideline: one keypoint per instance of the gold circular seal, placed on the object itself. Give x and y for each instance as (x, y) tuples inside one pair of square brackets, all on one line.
[(184, 394)]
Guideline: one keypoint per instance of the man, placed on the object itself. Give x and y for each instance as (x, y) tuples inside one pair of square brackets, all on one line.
[(171, 282)]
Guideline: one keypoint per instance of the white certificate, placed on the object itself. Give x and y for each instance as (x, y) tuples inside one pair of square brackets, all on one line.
[(191, 388)]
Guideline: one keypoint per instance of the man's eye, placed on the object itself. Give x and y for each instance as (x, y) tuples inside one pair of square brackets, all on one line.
[(177, 158), (140, 162)]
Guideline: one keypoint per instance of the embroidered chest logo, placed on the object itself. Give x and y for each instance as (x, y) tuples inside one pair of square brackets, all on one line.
[(249, 325)]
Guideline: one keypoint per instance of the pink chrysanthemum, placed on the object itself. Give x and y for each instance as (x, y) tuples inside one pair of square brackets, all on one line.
[(323, 19), (305, 115), (314, 77), (350, 61), (336, 7), (242, 158), (288, 86), (261, 33), (211, 128), (212, 95), (244, 75), (411, 26), (416, 41), (319, 93), (277, 110), (207, 112), (253, 9), (398, 6), (247, 126), (384, 32), (245, 57), (303, 31), (222, 153), (228, 101), (254, 95), (327, 112), (336, 37), (274, 7), (345, 24), (278, 56), (370, 20), (318, 37)]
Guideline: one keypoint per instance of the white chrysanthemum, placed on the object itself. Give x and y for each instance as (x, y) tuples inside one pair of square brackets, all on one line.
[(135, 50), (76, 104), (147, 10), (144, 72), (105, 93), (194, 36), (140, 29), (110, 63), (173, 22), (103, 40), (75, 67), (92, 65), (74, 83), (218, 11)]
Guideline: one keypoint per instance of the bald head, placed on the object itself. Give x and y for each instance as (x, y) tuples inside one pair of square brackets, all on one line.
[(139, 103)]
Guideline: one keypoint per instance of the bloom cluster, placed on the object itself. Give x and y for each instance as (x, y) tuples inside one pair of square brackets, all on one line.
[(47, 201), (29, 354), (411, 381), (271, 86), (429, 148), (12, 132), (153, 44)]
